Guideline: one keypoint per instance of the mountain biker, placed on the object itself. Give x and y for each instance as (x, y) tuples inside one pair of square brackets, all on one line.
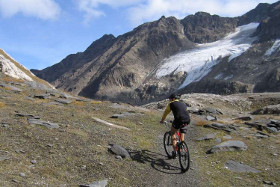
[(181, 118)]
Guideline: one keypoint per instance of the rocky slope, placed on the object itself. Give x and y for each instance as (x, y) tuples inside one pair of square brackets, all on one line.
[(124, 68), (50, 138), (12, 68)]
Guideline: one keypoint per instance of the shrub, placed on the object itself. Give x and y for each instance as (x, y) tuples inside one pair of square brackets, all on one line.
[(201, 122), (96, 102), (2, 104)]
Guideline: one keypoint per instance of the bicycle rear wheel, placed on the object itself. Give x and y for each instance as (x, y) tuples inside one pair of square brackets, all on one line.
[(184, 157), (167, 142)]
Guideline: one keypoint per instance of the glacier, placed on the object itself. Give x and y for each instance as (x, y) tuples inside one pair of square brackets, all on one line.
[(198, 62)]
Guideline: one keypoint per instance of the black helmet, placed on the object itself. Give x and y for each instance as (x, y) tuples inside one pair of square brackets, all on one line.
[(174, 96)]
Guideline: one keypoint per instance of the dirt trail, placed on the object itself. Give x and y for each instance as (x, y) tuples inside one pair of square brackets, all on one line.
[(166, 172)]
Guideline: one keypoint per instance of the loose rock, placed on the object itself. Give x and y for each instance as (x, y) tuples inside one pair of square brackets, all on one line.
[(211, 118), (219, 126), (118, 150), (64, 101), (43, 123), (239, 167), (102, 183), (228, 146), (245, 118), (207, 137)]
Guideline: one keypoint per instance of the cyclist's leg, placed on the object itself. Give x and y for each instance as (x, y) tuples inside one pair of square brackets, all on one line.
[(182, 136), (183, 131), (173, 137)]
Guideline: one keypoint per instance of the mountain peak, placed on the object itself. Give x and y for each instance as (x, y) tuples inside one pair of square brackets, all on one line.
[(124, 68)]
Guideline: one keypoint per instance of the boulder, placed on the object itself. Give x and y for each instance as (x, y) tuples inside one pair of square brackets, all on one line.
[(211, 118), (232, 145), (38, 86), (42, 96), (271, 109), (220, 126), (64, 101), (261, 135), (272, 129), (123, 115), (43, 123), (12, 88), (259, 124), (27, 116), (193, 110), (271, 126), (118, 150), (245, 118), (239, 167), (3, 158), (213, 111), (102, 183), (207, 137)]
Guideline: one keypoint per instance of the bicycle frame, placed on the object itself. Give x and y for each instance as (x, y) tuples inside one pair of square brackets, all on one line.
[(178, 132), (181, 148)]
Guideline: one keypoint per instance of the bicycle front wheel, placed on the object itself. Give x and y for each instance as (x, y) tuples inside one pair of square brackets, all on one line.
[(184, 157), (167, 143)]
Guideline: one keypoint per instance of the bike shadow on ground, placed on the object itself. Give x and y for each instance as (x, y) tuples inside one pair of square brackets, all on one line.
[(158, 161)]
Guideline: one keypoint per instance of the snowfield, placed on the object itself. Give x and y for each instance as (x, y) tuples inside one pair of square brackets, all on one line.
[(199, 61)]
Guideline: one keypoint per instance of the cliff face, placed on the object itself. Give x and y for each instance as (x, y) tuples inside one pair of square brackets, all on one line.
[(204, 28), (124, 68), (270, 26)]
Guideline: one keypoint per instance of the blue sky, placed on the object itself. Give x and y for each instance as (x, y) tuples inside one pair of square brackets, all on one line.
[(40, 33)]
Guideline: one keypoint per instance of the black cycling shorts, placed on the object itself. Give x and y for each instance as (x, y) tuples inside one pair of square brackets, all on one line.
[(180, 125)]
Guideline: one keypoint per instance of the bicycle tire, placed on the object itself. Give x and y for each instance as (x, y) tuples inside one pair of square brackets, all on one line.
[(167, 143), (184, 157)]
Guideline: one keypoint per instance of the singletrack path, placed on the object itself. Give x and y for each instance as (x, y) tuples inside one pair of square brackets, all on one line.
[(166, 172)]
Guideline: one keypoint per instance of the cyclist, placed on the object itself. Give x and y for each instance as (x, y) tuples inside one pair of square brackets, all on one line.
[(181, 118)]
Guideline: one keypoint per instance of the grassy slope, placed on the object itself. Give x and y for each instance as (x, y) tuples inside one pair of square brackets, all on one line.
[(77, 152)]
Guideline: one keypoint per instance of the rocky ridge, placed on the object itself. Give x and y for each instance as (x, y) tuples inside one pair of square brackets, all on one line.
[(126, 64), (124, 68)]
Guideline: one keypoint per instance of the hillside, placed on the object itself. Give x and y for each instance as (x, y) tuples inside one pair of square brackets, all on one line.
[(50, 138), (12, 68)]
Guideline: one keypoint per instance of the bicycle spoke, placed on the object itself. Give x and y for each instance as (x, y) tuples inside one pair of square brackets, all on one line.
[(167, 142), (184, 157)]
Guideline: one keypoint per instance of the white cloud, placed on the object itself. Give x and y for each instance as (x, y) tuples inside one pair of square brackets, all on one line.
[(43, 9), (153, 9), (92, 9), (140, 11)]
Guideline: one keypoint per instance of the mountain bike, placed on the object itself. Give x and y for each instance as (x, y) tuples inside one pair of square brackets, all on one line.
[(181, 148)]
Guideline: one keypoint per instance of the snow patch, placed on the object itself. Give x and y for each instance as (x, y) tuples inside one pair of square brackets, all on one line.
[(12, 70), (198, 62), (219, 76), (274, 48), (228, 77)]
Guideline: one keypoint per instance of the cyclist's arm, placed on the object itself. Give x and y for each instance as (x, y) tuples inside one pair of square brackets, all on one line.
[(166, 112)]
